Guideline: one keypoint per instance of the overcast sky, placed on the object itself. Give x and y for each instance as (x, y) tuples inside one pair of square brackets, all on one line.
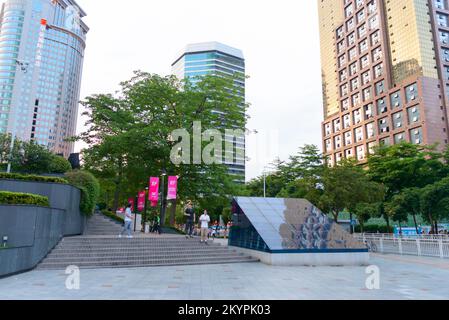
[(280, 41)]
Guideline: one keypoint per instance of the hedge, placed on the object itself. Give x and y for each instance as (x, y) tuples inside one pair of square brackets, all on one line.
[(90, 189), (23, 199), (33, 178), (113, 216), (373, 229)]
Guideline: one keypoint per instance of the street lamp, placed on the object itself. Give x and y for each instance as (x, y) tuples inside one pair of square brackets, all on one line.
[(265, 181), (163, 174), (24, 68)]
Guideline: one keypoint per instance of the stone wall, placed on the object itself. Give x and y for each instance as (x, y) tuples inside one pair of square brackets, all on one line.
[(34, 231)]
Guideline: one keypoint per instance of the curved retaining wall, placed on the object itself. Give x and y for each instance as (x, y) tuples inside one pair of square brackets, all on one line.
[(34, 231), (61, 196)]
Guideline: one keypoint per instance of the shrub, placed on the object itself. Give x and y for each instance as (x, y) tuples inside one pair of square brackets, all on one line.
[(23, 199), (33, 178), (90, 189), (59, 165), (372, 228), (112, 216)]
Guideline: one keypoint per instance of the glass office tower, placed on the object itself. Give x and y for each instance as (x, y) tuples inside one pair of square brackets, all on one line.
[(215, 58), (385, 67), (42, 46)]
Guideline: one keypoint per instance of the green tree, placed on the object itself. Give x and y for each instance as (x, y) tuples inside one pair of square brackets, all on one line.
[(404, 166), (406, 203), (435, 202), (365, 211), (345, 186), (130, 137)]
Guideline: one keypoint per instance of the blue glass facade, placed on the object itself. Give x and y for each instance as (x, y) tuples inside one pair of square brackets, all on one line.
[(194, 64)]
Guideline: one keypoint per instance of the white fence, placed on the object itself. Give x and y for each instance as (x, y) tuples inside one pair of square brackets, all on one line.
[(429, 246)]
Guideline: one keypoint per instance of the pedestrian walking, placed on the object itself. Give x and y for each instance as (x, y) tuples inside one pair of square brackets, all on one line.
[(190, 214), (157, 224), (128, 222), (204, 221)]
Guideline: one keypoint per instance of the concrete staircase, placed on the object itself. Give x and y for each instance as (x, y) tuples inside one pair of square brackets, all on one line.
[(100, 225), (100, 247)]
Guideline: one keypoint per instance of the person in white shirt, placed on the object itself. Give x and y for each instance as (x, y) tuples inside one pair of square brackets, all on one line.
[(204, 220), (128, 222)]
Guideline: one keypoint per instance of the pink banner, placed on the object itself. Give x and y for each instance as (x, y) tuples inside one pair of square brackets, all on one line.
[(131, 202), (153, 195), (141, 201), (172, 188)]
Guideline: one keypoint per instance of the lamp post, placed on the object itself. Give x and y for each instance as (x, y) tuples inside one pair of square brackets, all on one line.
[(265, 181), (144, 214), (164, 173), (24, 68)]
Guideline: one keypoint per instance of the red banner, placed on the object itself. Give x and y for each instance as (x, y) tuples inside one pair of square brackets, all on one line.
[(131, 202), (153, 195), (172, 188), (141, 201)]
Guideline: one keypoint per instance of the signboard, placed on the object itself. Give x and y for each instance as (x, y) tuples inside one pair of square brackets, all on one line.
[(141, 201), (153, 195), (172, 188), (407, 231)]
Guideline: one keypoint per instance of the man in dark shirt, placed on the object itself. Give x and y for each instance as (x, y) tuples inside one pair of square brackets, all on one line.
[(190, 214)]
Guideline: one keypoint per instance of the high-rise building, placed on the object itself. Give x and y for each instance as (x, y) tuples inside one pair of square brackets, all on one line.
[(42, 46), (385, 74), (213, 58)]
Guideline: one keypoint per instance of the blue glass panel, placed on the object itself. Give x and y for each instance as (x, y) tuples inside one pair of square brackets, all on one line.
[(269, 224)]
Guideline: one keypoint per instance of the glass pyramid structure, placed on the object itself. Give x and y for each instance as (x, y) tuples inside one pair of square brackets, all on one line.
[(277, 225)]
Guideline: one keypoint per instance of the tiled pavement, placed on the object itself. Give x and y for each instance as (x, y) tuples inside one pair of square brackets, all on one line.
[(401, 278)]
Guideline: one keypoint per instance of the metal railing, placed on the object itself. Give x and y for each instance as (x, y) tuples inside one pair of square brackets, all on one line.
[(408, 236), (428, 246)]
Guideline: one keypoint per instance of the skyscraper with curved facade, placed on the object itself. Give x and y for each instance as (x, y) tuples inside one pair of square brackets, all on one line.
[(42, 46)]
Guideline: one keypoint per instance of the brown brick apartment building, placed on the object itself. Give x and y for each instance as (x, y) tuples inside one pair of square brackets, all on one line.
[(385, 68)]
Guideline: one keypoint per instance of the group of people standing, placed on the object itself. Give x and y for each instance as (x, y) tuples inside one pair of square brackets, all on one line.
[(204, 221), (190, 223)]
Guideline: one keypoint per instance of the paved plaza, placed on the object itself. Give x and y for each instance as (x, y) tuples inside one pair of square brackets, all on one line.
[(401, 278)]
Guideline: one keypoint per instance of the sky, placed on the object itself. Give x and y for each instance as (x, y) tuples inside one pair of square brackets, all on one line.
[(280, 41)]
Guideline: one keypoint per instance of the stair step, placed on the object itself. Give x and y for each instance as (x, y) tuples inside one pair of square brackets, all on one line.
[(127, 264), (100, 247), (76, 260)]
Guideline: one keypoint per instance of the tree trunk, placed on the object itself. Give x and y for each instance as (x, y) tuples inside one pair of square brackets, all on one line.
[(116, 198), (432, 223), (436, 227), (387, 219), (416, 224), (351, 226), (400, 228), (118, 183), (335, 216)]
